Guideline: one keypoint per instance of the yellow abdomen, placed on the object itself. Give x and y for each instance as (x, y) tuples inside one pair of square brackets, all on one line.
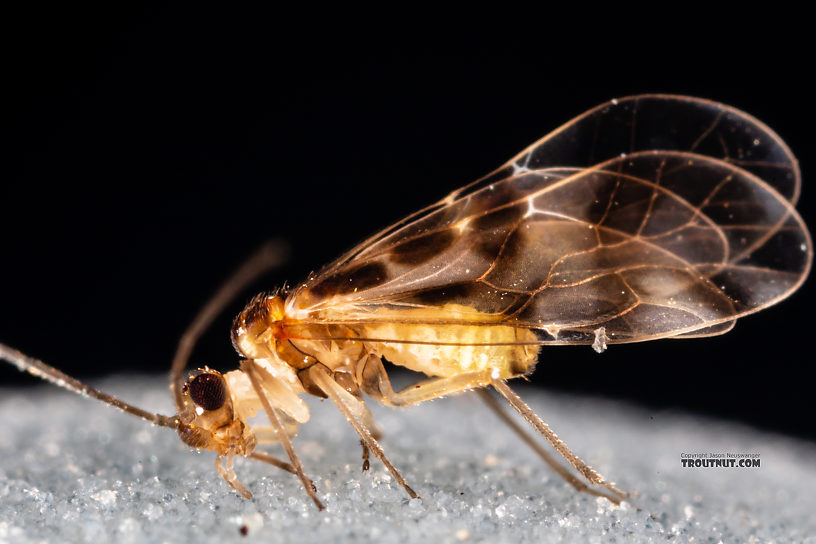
[(451, 349)]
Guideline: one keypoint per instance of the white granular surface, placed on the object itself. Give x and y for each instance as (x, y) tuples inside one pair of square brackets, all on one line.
[(74, 470)]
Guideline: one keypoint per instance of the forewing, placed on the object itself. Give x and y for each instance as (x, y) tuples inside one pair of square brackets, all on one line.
[(663, 123), (649, 243), (624, 126)]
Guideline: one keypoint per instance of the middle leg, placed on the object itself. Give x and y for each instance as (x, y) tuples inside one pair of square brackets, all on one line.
[(356, 413)]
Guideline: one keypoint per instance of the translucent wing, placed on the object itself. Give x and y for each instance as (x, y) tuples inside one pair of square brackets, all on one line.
[(651, 216)]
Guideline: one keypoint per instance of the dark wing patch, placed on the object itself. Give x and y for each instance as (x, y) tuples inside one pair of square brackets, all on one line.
[(365, 275), (422, 248)]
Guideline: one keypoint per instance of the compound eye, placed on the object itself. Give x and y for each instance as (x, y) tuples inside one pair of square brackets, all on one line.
[(208, 391)]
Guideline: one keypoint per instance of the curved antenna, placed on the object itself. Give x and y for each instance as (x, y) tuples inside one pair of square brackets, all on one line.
[(269, 256)]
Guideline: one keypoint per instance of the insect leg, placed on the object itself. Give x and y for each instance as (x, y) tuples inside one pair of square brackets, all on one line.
[(274, 461), (366, 455), (354, 410), (248, 366), (527, 413), (347, 381), (223, 464), (376, 383), (269, 256), (544, 454)]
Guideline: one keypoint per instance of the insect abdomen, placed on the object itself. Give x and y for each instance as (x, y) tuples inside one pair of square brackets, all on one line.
[(449, 350)]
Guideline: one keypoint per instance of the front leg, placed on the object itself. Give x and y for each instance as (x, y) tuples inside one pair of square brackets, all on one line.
[(224, 466)]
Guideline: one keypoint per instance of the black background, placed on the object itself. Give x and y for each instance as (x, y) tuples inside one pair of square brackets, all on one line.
[(146, 153)]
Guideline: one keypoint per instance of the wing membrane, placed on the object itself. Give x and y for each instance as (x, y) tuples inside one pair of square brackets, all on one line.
[(646, 216)]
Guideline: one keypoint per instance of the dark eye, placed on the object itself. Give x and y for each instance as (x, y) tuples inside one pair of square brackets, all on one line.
[(208, 391)]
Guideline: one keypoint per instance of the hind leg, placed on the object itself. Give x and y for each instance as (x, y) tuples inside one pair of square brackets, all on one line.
[(590, 474), (376, 383), (545, 456)]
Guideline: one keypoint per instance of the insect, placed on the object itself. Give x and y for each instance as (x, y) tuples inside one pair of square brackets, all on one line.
[(646, 217)]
